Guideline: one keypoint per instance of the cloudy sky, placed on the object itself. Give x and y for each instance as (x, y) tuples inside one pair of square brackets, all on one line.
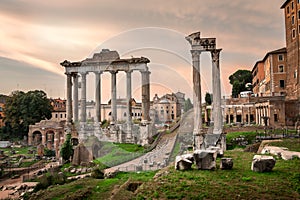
[(37, 35)]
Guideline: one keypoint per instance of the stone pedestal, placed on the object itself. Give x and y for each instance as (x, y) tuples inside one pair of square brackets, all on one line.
[(184, 162), (263, 163), (226, 163), (205, 159)]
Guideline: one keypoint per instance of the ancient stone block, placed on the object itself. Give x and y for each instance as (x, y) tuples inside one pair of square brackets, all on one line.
[(205, 159), (226, 163), (262, 163), (184, 162)]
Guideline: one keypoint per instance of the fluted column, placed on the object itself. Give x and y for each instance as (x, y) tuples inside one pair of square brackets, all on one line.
[(145, 95), (197, 100), (75, 97), (113, 95), (83, 98), (98, 95), (128, 104), (69, 97), (217, 111)]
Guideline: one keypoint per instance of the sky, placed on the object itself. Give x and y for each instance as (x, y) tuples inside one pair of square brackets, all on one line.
[(36, 36)]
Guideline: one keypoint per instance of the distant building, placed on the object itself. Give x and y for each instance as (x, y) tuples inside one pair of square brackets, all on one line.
[(269, 74), (59, 109), (165, 109)]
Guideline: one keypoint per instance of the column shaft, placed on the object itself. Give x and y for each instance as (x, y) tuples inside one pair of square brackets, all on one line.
[(128, 97), (98, 96), (75, 97), (217, 111), (69, 98), (197, 100), (145, 95), (113, 95), (83, 98)]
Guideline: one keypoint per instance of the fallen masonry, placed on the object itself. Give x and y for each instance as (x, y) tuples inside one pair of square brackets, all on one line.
[(263, 163)]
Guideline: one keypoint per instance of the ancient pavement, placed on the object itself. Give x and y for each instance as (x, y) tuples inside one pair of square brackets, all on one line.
[(159, 157)]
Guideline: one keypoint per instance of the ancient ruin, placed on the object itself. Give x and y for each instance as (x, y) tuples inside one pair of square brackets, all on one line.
[(216, 138), (108, 61)]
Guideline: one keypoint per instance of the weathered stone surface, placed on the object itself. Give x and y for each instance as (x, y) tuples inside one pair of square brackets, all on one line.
[(263, 163), (226, 163), (81, 154), (281, 152), (184, 162), (40, 150), (205, 159), (110, 173)]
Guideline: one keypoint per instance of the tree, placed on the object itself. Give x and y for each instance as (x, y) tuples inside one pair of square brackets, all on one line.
[(66, 150), (238, 80), (187, 105), (208, 98), (24, 109)]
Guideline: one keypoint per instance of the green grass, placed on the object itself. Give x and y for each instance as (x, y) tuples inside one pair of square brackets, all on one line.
[(114, 153), (238, 183)]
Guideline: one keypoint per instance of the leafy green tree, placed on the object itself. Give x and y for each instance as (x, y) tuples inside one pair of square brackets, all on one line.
[(66, 150), (24, 109), (187, 105), (238, 80), (208, 98)]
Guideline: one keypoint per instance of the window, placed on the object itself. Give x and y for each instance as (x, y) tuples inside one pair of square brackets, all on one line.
[(1, 109), (275, 118), (281, 83), (298, 14), (288, 10), (292, 6), (280, 68), (295, 74), (61, 115), (56, 116), (293, 20), (293, 33), (280, 57)]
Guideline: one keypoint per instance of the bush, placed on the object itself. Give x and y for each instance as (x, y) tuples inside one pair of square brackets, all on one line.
[(97, 173)]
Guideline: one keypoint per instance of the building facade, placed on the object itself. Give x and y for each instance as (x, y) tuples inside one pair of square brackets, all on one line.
[(269, 74), (165, 109), (292, 32)]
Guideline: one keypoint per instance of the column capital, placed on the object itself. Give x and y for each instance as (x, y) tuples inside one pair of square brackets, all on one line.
[(215, 54), (195, 54), (113, 71), (83, 73), (145, 72), (99, 72)]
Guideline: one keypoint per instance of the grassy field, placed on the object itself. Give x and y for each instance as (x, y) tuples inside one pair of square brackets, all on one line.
[(239, 183), (114, 154)]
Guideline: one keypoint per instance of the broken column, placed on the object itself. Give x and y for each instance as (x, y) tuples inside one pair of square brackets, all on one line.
[(263, 163), (205, 159)]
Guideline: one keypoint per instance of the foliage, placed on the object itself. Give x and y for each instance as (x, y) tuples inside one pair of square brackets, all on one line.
[(97, 173), (208, 98), (238, 80), (66, 150), (24, 109), (49, 152), (187, 105)]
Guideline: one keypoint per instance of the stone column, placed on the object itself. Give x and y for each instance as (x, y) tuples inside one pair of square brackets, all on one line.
[(113, 95), (83, 98), (128, 105), (69, 98), (234, 115), (197, 137), (145, 95), (75, 97), (98, 96), (256, 115), (249, 114), (217, 111)]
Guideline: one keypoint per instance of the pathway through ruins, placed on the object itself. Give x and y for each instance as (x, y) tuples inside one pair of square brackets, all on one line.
[(159, 157)]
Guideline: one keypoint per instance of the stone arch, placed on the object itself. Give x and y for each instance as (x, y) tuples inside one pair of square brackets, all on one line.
[(36, 137)]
